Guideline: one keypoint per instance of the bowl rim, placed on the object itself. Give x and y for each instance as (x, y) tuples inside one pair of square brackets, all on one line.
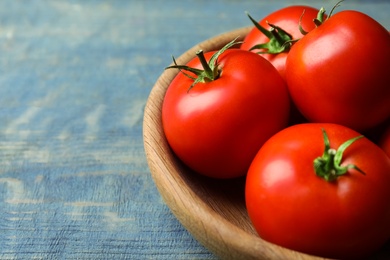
[(216, 233)]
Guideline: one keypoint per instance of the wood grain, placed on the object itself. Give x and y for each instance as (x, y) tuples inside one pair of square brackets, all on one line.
[(75, 77)]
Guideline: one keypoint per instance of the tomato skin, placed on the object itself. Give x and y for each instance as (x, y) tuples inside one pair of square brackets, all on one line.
[(216, 128), (288, 19), (339, 72), (292, 207), (384, 142)]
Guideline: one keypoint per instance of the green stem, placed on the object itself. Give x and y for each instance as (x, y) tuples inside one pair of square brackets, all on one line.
[(320, 19), (328, 166), (208, 71), (279, 40)]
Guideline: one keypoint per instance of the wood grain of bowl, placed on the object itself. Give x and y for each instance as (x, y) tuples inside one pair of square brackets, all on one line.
[(213, 211)]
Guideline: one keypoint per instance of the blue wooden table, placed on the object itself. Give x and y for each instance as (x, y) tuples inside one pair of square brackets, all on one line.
[(74, 79)]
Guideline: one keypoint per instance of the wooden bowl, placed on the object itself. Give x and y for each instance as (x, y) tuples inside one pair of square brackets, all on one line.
[(213, 211)]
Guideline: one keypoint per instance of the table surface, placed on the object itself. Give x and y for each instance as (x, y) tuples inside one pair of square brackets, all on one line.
[(74, 80)]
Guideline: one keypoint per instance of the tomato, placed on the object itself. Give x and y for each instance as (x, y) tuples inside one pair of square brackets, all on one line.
[(217, 126), (288, 19), (347, 216), (339, 72), (384, 142)]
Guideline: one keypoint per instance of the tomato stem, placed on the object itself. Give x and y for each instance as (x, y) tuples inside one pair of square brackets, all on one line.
[(320, 19), (211, 70), (207, 70), (328, 166), (279, 40), (334, 8)]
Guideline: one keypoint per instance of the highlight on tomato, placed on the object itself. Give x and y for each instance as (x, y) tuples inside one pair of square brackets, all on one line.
[(339, 72), (220, 109), (321, 189)]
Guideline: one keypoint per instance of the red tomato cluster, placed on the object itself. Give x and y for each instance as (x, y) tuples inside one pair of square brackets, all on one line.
[(288, 108)]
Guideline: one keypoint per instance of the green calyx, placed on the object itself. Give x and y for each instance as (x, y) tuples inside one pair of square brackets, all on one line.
[(320, 19), (279, 40), (328, 166), (210, 71)]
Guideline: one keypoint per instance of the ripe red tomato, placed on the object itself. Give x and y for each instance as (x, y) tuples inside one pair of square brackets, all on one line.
[(288, 19), (339, 72), (217, 127), (289, 205)]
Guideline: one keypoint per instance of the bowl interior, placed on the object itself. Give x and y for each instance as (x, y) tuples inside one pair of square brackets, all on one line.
[(212, 210)]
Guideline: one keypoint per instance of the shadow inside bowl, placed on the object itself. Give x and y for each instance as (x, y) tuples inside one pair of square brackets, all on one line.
[(225, 196)]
